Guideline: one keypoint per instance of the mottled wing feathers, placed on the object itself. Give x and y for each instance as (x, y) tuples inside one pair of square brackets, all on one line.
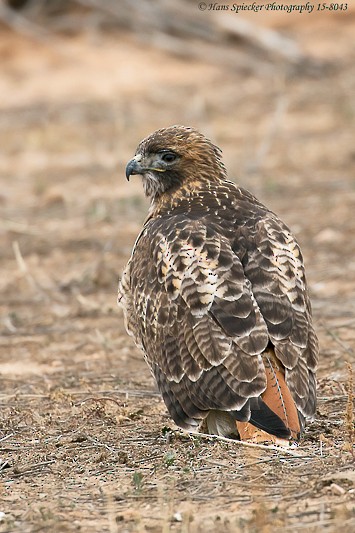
[(206, 292), (194, 316), (276, 270)]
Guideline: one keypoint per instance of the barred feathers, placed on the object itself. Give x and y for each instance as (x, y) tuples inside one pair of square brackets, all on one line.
[(216, 297)]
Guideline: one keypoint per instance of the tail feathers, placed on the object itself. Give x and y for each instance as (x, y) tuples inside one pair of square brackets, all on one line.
[(275, 414), (226, 423), (277, 396), (271, 417), (263, 417)]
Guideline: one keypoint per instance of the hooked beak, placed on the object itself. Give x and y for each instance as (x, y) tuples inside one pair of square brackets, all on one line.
[(134, 167)]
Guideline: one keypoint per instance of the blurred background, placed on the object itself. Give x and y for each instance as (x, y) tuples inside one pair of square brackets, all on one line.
[(81, 83)]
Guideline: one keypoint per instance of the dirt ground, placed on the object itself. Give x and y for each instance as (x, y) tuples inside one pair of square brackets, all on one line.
[(86, 443)]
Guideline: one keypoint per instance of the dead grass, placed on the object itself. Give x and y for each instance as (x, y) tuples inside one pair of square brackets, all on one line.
[(86, 444)]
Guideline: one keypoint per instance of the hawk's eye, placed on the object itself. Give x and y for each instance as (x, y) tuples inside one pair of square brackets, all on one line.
[(168, 157)]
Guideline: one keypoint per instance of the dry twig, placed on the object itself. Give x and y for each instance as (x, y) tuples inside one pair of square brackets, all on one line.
[(270, 447), (349, 414), (22, 265), (101, 399), (342, 344)]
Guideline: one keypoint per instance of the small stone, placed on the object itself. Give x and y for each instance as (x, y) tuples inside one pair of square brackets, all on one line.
[(177, 517)]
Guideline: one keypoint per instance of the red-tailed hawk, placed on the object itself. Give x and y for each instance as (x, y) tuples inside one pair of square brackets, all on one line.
[(216, 297)]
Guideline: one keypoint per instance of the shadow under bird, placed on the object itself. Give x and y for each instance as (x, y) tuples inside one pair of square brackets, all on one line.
[(216, 297)]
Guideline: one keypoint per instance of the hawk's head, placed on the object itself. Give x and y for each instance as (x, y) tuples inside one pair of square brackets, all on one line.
[(172, 156)]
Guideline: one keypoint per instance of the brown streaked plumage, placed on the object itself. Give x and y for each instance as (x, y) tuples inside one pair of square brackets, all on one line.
[(216, 297)]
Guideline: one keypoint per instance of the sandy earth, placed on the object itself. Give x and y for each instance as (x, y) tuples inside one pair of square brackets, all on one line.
[(86, 443)]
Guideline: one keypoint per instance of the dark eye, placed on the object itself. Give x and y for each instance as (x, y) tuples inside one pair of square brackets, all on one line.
[(168, 157)]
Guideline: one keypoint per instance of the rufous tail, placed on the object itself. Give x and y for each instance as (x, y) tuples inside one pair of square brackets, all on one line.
[(278, 398)]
